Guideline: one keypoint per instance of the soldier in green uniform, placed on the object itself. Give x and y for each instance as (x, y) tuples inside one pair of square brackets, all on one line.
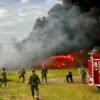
[(33, 82), (83, 74), (22, 74), (4, 78), (44, 73)]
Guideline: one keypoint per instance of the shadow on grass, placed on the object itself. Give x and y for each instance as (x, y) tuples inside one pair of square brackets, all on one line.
[(13, 98), (7, 80)]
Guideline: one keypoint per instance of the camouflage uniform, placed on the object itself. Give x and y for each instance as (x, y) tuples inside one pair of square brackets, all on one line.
[(4, 78), (83, 75), (33, 82), (44, 73), (21, 74)]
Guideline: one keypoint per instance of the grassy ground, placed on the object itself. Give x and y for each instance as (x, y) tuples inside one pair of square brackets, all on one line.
[(59, 90)]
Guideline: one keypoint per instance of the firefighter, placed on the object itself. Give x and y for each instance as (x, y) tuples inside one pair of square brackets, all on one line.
[(4, 77), (83, 75), (33, 82), (22, 74), (69, 77), (44, 73)]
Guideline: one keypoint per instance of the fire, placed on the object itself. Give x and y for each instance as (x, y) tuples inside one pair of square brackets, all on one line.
[(62, 57), (62, 61), (72, 59)]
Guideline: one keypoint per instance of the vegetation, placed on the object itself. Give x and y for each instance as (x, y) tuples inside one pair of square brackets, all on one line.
[(54, 90)]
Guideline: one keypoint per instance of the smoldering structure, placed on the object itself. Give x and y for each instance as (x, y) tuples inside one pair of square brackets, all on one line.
[(72, 25)]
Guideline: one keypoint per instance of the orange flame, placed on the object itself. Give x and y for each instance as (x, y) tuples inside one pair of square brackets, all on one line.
[(60, 57), (61, 61)]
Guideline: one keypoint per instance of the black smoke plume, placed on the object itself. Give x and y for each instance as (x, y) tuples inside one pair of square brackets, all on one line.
[(72, 25), (85, 5)]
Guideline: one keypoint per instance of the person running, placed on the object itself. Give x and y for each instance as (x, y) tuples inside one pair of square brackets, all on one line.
[(22, 74)]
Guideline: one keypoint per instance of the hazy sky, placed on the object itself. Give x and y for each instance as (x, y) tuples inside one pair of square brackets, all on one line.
[(18, 16)]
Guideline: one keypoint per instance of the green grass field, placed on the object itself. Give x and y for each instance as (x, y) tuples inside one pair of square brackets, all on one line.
[(54, 90)]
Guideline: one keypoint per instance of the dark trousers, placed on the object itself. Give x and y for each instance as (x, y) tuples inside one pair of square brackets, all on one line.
[(3, 82), (44, 77), (34, 88), (69, 79), (22, 76), (84, 79)]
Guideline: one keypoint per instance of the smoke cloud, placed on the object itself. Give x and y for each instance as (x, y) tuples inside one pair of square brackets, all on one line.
[(69, 26)]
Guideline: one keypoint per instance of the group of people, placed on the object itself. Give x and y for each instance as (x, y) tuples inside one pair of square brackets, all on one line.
[(34, 79)]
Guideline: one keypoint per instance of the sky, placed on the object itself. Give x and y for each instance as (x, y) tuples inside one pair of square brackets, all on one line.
[(17, 17)]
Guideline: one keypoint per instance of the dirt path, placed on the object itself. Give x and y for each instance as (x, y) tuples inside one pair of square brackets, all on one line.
[(63, 79)]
